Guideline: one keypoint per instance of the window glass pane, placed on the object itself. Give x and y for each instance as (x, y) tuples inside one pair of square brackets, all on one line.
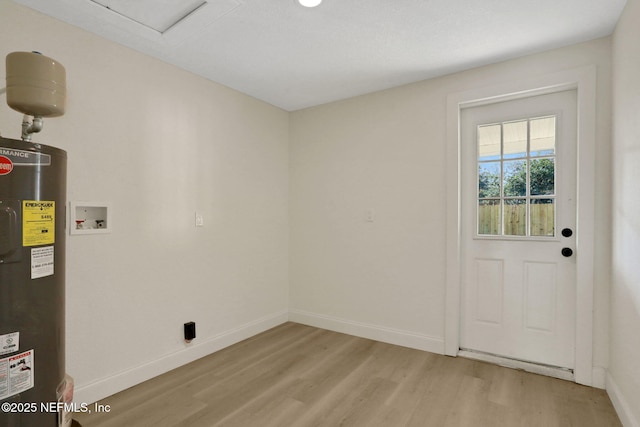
[(489, 142), (515, 139), (489, 217), (542, 177), (489, 179), (543, 136), (515, 178), (515, 217), (542, 217)]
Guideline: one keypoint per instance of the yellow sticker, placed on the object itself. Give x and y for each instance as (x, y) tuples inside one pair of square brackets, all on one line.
[(38, 223)]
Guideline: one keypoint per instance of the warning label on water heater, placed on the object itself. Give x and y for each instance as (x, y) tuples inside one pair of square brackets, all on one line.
[(9, 343), (38, 223), (42, 262), (16, 374)]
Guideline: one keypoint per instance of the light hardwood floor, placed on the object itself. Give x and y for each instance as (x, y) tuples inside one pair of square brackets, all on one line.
[(296, 375)]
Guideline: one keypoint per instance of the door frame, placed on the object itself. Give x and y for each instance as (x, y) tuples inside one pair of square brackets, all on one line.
[(582, 79)]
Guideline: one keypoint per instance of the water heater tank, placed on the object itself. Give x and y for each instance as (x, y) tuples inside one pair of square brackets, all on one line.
[(32, 282), (36, 84)]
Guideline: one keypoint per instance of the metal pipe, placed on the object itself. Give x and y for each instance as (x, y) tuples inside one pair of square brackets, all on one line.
[(30, 127)]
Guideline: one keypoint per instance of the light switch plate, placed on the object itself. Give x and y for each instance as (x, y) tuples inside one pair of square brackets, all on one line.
[(199, 220)]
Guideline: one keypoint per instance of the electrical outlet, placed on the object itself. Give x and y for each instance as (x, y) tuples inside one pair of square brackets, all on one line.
[(369, 215), (189, 331)]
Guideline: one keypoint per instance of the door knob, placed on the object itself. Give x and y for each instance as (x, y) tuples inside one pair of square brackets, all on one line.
[(567, 232), (567, 252)]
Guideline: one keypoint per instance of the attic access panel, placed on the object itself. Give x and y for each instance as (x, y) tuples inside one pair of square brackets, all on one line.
[(159, 15)]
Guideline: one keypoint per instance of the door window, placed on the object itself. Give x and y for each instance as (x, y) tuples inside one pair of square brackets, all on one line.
[(516, 189)]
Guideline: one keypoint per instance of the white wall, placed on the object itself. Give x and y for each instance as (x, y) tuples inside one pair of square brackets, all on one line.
[(386, 152), (624, 380), (160, 143)]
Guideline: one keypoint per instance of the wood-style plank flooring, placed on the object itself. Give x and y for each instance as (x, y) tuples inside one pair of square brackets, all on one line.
[(296, 375)]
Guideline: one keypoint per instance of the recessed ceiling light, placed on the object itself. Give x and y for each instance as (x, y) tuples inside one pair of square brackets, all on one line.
[(309, 3)]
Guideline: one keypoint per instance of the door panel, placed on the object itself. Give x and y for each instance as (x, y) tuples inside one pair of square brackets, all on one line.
[(540, 291), (518, 185), (490, 289)]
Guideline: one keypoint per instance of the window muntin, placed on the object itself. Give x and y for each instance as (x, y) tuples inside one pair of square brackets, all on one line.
[(516, 175)]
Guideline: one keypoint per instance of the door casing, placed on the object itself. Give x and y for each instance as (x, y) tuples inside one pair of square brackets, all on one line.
[(582, 79)]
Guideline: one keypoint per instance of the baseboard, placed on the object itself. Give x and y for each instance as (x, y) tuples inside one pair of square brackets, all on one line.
[(627, 418), (105, 387), (374, 332)]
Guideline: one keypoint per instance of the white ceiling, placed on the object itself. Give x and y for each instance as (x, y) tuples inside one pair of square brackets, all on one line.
[(295, 57)]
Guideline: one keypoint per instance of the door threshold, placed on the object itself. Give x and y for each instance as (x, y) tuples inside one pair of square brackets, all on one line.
[(535, 368)]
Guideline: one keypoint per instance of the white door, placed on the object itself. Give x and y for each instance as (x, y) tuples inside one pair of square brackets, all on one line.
[(518, 222)]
